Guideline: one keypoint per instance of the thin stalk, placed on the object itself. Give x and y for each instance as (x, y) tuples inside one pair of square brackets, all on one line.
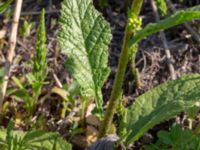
[(117, 87), (84, 107), (11, 51), (134, 70)]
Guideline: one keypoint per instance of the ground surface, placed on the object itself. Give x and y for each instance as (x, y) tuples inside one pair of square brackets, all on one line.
[(151, 61)]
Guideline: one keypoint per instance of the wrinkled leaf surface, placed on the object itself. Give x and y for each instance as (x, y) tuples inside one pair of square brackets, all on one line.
[(162, 103), (84, 38)]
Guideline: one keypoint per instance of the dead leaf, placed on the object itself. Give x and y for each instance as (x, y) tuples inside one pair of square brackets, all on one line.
[(93, 120), (91, 134)]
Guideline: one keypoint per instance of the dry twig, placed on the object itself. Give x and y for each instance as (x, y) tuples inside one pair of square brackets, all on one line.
[(11, 51), (55, 11), (164, 41)]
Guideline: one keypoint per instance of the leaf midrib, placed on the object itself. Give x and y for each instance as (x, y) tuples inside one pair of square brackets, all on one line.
[(84, 43)]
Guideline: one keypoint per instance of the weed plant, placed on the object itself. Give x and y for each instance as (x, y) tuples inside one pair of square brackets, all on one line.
[(84, 37)]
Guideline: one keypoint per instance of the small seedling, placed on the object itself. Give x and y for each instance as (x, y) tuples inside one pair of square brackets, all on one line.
[(176, 138), (25, 29), (39, 72), (33, 140)]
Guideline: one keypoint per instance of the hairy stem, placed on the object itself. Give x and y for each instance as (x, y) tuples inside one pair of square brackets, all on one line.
[(116, 91)]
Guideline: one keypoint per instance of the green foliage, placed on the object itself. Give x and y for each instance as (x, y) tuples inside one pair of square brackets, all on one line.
[(177, 18), (40, 64), (84, 38), (122, 112), (2, 73), (134, 23), (39, 72), (161, 103), (26, 28), (32, 140), (177, 139), (161, 4), (4, 5)]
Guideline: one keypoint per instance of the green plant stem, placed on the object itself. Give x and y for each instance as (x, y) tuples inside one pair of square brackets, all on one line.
[(116, 91), (134, 70), (84, 104)]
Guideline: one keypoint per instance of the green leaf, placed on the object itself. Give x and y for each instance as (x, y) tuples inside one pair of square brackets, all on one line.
[(161, 4), (84, 38), (2, 74), (34, 140), (17, 82), (178, 18), (162, 103), (176, 138), (61, 92), (25, 29), (45, 140), (5, 5), (21, 94)]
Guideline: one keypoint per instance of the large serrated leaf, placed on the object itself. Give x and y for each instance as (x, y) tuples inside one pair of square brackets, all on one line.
[(84, 38), (162, 103), (178, 18)]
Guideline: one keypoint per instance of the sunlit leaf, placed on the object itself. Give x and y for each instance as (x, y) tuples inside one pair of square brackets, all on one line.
[(161, 103), (84, 38)]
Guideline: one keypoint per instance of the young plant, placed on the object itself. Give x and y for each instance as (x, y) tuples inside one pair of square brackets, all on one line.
[(176, 138), (84, 38), (32, 140), (39, 71), (25, 29)]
